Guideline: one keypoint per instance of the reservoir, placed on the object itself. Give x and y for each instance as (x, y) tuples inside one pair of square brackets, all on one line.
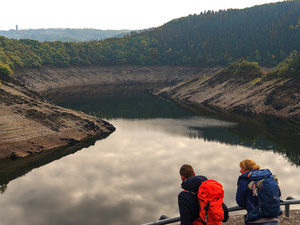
[(132, 176)]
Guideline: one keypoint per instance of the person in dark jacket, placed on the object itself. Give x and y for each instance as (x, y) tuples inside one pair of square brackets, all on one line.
[(188, 200), (244, 196)]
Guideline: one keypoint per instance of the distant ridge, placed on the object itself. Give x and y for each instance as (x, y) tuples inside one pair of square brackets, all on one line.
[(64, 35)]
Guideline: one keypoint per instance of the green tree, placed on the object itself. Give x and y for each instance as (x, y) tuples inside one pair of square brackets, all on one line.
[(294, 67)]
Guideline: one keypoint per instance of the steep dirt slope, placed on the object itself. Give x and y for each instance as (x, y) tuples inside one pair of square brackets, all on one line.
[(50, 78), (29, 124), (278, 97)]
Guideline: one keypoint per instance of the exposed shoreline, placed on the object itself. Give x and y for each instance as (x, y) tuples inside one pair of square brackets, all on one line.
[(48, 78), (278, 97), (195, 85), (29, 124)]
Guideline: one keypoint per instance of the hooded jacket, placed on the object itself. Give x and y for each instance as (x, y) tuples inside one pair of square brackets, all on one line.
[(244, 196), (188, 201)]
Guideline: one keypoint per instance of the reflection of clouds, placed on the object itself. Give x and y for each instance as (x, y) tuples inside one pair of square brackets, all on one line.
[(183, 126), (131, 177)]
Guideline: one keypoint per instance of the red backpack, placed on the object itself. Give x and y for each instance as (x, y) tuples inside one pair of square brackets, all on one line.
[(210, 196)]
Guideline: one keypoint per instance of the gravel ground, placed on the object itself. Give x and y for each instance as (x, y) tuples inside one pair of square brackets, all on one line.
[(294, 219)]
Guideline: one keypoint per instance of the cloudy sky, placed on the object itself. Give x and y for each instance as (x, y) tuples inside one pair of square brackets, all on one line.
[(104, 14)]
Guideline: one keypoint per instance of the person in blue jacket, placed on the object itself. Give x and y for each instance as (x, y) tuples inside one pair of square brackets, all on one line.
[(188, 202), (244, 196)]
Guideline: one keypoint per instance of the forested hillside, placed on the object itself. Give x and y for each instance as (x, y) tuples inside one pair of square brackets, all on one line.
[(64, 35), (266, 34)]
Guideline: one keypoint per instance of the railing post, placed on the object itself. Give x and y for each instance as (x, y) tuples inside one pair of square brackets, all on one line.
[(287, 206), (162, 217)]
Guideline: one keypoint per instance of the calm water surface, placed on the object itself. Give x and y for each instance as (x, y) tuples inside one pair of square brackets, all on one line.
[(131, 177)]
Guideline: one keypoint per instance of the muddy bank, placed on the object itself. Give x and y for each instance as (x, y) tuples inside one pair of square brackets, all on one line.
[(51, 78), (277, 97), (29, 124)]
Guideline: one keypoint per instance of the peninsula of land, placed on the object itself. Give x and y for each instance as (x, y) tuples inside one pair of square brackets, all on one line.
[(30, 124)]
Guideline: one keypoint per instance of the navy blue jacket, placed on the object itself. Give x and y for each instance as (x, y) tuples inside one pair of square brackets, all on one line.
[(244, 196), (188, 201)]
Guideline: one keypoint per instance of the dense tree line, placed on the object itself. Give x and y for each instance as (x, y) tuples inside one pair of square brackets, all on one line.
[(132, 50), (266, 34)]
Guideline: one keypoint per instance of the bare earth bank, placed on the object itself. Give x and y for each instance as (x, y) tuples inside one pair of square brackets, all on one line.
[(29, 124), (277, 97)]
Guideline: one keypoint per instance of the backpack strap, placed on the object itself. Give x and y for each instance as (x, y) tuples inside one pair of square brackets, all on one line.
[(206, 209)]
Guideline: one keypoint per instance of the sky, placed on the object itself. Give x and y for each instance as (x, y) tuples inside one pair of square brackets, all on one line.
[(107, 14)]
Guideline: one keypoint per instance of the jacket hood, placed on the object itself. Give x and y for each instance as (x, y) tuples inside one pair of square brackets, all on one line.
[(245, 176), (192, 184)]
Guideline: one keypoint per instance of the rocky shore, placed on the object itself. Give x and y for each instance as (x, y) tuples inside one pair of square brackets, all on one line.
[(206, 86), (48, 78), (29, 124), (241, 93)]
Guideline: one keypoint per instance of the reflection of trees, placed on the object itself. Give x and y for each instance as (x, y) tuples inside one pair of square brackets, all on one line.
[(116, 101), (254, 131), (283, 134), (3, 188)]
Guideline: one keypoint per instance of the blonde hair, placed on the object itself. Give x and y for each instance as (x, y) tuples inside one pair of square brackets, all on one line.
[(249, 164)]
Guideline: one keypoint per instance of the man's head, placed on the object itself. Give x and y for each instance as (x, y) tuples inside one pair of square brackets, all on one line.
[(186, 171)]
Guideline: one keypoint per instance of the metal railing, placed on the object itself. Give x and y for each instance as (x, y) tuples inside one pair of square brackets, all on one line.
[(166, 220)]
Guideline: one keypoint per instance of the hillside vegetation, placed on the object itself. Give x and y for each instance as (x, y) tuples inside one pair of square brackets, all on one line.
[(265, 34)]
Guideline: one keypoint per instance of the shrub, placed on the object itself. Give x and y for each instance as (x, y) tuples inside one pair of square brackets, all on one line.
[(5, 73), (5, 70), (288, 68), (294, 67), (243, 67)]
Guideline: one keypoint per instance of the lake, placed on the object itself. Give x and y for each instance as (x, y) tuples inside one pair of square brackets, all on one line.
[(132, 176)]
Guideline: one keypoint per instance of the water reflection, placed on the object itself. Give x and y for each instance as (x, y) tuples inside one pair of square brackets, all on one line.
[(257, 132), (132, 177), (12, 169)]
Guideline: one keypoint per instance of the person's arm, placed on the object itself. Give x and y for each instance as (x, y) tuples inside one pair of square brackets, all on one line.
[(184, 210), (241, 193), (226, 214)]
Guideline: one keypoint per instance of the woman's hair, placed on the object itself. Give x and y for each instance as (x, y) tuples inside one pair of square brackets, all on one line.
[(186, 171), (249, 164)]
